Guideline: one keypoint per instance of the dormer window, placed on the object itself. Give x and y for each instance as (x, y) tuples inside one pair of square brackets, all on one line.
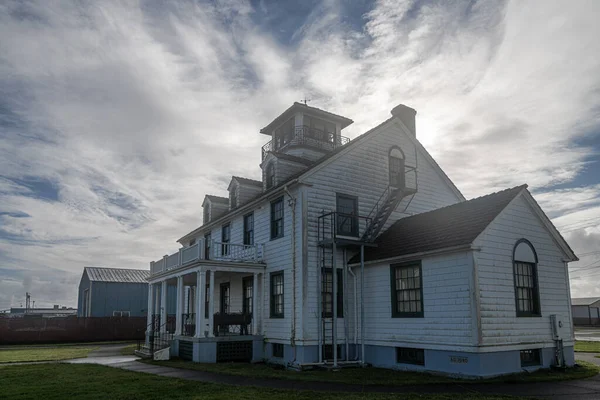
[(233, 198), (270, 178), (206, 212)]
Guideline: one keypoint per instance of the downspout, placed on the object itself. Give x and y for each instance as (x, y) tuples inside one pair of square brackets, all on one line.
[(292, 204), (362, 304), (355, 336), (345, 304)]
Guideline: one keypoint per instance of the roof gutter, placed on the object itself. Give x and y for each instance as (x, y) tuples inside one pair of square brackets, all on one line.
[(246, 207), (416, 256)]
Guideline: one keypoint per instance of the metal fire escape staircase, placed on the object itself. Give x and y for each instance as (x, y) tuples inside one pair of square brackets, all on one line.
[(367, 229), (387, 203)]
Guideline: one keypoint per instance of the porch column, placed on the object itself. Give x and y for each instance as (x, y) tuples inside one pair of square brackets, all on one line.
[(211, 304), (163, 306), (150, 310), (200, 295), (254, 304), (180, 298)]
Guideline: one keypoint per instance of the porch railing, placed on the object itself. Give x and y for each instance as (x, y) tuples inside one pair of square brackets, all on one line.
[(232, 324), (307, 136), (218, 251), (235, 252)]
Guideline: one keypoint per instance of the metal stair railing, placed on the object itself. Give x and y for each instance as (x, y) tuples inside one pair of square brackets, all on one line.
[(376, 213)]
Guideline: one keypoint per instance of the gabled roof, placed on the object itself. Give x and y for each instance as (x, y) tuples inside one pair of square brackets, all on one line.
[(215, 199), (584, 301), (320, 162), (447, 227), (304, 108), (97, 274), (247, 181)]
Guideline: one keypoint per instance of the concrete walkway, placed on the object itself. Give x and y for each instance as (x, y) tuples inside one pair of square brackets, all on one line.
[(105, 355)]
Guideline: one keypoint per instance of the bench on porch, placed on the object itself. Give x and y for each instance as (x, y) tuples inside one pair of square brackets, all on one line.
[(231, 323)]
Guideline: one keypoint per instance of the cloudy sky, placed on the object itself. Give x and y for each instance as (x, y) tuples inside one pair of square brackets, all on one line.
[(117, 117)]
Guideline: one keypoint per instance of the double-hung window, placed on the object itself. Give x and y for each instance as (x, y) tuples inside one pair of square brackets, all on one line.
[(327, 293), (277, 218), (249, 229), (277, 294), (207, 245), (270, 176), (407, 290), (248, 289), (225, 238)]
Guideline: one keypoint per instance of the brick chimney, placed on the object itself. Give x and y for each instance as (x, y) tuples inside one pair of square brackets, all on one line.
[(407, 116)]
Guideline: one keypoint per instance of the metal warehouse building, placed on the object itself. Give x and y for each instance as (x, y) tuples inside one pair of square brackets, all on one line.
[(113, 292), (586, 311)]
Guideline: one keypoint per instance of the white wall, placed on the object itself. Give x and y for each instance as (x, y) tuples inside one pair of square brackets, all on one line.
[(363, 172), (499, 323), (447, 321)]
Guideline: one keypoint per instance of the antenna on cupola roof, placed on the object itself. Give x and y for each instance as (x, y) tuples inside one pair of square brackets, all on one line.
[(305, 101)]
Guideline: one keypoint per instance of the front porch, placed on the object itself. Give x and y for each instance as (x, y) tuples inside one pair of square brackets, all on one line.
[(208, 310)]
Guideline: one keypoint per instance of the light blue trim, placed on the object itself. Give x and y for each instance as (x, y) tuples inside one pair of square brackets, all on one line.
[(442, 361), (463, 363)]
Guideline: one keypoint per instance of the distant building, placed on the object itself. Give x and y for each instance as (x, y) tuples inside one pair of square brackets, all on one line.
[(113, 292), (586, 311), (56, 311)]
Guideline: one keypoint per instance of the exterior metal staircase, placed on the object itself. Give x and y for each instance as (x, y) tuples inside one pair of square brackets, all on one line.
[(387, 203)]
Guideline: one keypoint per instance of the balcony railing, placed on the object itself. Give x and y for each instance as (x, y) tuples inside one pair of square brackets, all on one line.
[(307, 136), (218, 251), (334, 225)]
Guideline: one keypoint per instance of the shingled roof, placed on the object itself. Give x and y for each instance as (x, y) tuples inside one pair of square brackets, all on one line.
[(451, 226), (248, 181), (217, 199), (97, 274)]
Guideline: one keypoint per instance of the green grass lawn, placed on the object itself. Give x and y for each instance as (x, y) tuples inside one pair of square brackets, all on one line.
[(74, 344), (44, 354), (587, 347), (373, 376), (68, 381), (129, 350)]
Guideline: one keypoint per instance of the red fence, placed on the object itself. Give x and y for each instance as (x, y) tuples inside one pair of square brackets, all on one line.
[(70, 329)]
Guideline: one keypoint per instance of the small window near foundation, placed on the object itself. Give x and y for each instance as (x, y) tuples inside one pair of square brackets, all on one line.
[(277, 350), (530, 358), (406, 355)]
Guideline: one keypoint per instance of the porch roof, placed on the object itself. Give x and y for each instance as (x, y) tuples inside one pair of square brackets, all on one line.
[(209, 265)]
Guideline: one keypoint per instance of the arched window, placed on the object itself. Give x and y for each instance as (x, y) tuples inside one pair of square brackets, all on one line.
[(396, 167), (527, 295), (270, 176)]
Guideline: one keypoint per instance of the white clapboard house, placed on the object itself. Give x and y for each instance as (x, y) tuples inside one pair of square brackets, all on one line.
[(363, 251)]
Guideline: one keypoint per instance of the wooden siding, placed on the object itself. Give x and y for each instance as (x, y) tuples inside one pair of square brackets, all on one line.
[(277, 256), (447, 294), (499, 323), (363, 172)]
